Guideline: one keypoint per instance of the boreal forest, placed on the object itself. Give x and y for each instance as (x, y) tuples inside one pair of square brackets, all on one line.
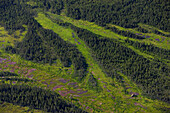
[(84, 56)]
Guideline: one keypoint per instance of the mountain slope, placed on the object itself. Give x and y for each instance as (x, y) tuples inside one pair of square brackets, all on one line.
[(97, 69)]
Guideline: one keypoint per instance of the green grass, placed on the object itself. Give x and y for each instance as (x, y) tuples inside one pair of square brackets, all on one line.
[(9, 39)]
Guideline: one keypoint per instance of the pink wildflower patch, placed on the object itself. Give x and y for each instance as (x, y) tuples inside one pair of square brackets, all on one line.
[(76, 95), (138, 34), (75, 86), (58, 86), (104, 86), (83, 92), (63, 81), (94, 96), (30, 76), (52, 82), (147, 36), (6, 66), (79, 89), (104, 82), (79, 102), (92, 99), (12, 63), (19, 72), (128, 87), (138, 104), (71, 91), (87, 95), (12, 71), (72, 83), (157, 39), (63, 93), (112, 96), (75, 40), (45, 83), (14, 82), (31, 70), (87, 107), (108, 90), (1, 59)]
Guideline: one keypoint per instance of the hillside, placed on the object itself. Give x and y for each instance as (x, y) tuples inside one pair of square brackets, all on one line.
[(84, 56)]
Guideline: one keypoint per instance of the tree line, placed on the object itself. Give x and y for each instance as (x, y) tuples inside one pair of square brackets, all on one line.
[(125, 13)]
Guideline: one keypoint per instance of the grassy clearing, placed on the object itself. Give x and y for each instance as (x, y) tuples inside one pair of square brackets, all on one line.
[(9, 39)]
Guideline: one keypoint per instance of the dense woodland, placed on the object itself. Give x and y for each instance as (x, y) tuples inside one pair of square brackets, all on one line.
[(39, 44), (36, 98), (151, 76), (125, 13), (54, 6)]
